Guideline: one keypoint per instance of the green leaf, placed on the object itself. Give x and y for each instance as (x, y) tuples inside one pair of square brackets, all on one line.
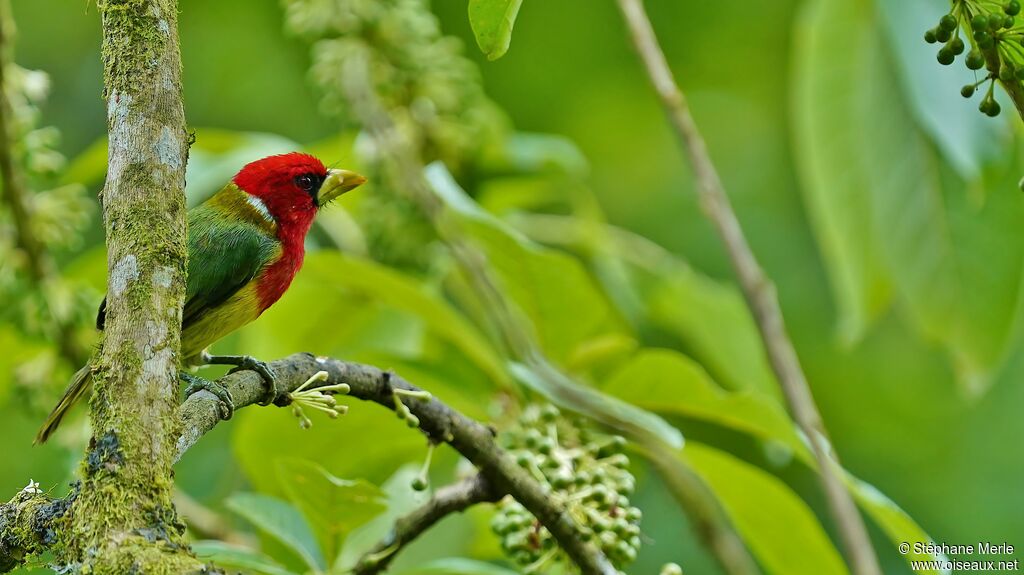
[(836, 97), (492, 22), (893, 520), (236, 557), (564, 305), (668, 382), (553, 290), (366, 442), (758, 504), (281, 521), (708, 317), (334, 506), (934, 238), (458, 566), (405, 293), (401, 499)]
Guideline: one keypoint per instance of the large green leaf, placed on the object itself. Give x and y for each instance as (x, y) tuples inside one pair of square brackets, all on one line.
[(402, 292), (707, 317), (566, 309), (281, 521), (668, 382), (401, 499), (367, 442), (233, 556), (945, 250), (776, 524), (333, 506), (836, 97), (492, 22)]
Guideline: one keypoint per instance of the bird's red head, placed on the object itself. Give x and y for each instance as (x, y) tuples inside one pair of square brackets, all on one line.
[(293, 186)]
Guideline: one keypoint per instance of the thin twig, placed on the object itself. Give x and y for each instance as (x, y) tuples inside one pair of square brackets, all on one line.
[(450, 499), (757, 288), (200, 413), (37, 260)]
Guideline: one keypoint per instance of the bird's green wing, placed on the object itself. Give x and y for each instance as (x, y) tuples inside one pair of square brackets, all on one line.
[(224, 254)]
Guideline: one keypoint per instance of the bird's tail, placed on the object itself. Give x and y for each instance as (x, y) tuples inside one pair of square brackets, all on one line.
[(76, 389)]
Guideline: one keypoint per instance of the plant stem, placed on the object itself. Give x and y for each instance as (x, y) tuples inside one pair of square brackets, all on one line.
[(757, 289), (450, 499)]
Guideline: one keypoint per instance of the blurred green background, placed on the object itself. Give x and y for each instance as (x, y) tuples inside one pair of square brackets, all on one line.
[(881, 203)]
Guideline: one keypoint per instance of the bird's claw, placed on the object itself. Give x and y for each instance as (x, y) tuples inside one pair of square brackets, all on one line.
[(225, 403), (249, 363)]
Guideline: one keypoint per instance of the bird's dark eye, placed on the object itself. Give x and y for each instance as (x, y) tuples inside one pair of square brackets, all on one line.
[(305, 182)]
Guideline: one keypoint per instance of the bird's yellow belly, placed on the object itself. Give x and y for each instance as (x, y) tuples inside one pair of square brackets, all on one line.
[(240, 309)]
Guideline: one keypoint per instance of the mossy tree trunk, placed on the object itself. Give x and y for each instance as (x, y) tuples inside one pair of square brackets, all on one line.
[(122, 520)]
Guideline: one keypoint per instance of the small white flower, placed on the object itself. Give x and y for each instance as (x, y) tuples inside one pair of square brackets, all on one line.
[(32, 488)]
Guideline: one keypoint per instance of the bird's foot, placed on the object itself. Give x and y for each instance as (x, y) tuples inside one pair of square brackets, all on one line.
[(249, 363), (224, 400)]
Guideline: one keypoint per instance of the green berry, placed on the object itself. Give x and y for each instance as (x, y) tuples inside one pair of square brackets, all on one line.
[(929, 37), (947, 22), (621, 527), (994, 22), (1008, 22), (957, 45), (979, 22), (550, 413), (993, 109), (533, 437), (975, 60), (983, 39), (1012, 7), (671, 569), (419, 484), (943, 35), (967, 91)]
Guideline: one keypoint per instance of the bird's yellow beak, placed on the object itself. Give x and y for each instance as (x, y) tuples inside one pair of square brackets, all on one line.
[(338, 182)]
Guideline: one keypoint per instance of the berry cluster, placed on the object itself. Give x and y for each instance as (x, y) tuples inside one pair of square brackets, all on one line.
[(588, 472), (997, 43)]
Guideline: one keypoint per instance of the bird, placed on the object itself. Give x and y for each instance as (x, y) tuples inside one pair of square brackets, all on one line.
[(245, 245)]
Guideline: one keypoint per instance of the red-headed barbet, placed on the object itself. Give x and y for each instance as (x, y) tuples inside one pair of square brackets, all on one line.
[(245, 245)]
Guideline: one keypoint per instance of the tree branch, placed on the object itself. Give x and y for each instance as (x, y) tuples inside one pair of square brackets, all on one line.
[(199, 414), (757, 289), (450, 499), (28, 523)]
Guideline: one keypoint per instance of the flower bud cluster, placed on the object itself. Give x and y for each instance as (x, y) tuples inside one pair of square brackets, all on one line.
[(586, 471), (996, 38)]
